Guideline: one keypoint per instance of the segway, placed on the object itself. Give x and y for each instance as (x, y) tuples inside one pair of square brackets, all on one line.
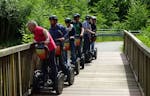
[(43, 81), (94, 52), (77, 63), (88, 53), (59, 54), (78, 45), (88, 57)]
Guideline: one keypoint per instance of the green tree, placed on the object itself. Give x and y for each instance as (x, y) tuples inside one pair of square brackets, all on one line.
[(12, 16), (108, 9), (137, 16), (123, 6)]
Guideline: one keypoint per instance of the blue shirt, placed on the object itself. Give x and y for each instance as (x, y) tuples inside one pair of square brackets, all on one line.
[(86, 25), (58, 31)]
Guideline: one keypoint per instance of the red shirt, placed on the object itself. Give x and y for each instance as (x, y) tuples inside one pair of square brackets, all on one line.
[(39, 36)]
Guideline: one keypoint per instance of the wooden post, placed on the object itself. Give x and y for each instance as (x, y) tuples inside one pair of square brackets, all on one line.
[(13, 75), (1, 79), (20, 76), (4, 79), (148, 78)]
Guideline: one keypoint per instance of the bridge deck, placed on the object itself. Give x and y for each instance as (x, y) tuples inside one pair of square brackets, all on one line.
[(109, 75)]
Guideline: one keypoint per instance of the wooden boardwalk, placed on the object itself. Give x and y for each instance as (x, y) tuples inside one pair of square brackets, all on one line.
[(109, 75)]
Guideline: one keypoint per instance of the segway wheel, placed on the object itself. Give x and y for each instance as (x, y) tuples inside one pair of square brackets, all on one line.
[(88, 57), (77, 67), (36, 84), (59, 84), (71, 77), (82, 62), (95, 53)]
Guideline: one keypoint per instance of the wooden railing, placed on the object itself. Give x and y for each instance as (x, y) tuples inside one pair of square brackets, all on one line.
[(114, 32), (138, 56), (16, 69)]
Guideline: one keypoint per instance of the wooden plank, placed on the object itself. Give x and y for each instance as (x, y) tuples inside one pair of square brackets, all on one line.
[(14, 85), (14, 49), (20, 76), (1, 78), (148, 78)]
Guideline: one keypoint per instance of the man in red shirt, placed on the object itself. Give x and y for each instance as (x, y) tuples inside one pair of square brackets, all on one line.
[(42, 35)]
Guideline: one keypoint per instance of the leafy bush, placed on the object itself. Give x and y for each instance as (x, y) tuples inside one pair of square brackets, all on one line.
[(137, 16), (12, 16), (145, 36), (108, 9)]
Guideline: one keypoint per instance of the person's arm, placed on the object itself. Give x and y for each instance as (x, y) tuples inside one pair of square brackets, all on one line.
[(82, 30), (64, 33), (85, 26), (88, 30), (46, 35), (34, 41)]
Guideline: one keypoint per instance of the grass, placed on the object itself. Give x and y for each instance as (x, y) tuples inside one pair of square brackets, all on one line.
[(144, 39), (108, 38)]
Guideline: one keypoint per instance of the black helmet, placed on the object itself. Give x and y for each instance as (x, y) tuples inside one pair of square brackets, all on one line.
[(67, 20), (87, 17), (76, 15), (53, 17)]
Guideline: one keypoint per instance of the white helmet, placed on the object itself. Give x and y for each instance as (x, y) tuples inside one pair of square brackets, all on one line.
[(94, 17)]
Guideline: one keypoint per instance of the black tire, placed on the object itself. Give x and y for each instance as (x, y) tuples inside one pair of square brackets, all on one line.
[(95, 53), (71, 77), (35, 86), (77, 67), (88, 57), (59, 84), (82, 62)]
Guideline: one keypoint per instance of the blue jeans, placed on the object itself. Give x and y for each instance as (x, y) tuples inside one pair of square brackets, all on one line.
[(92, 46), (72, 48), (86, 46)]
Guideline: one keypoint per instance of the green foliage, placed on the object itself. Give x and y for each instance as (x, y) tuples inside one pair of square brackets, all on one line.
[(115, 14), (145, 36), (12, 15), (27, 38), (108, 9), (123, 7), (137, 16), (119, 25), (6, 44)]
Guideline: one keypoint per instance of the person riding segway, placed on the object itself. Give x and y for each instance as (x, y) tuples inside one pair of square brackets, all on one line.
[(48, 77), (93, 37), (71, 40), (87, 36), (58, 33), (78, 38)]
